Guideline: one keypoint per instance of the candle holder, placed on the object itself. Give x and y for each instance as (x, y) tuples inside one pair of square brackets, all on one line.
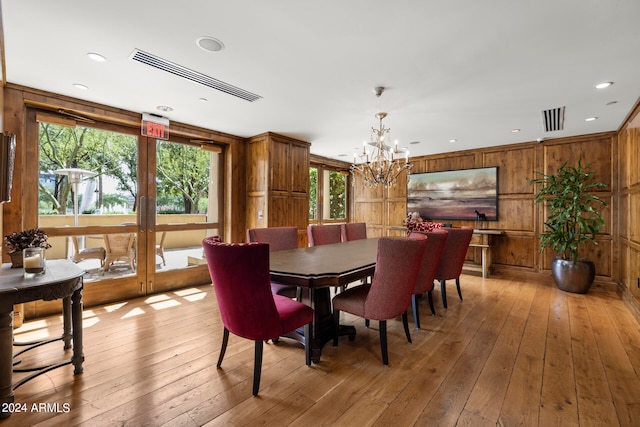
[(34, 261)]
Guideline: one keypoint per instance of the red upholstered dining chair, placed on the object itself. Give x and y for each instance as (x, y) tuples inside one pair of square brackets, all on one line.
[(324, 234), (279, 239), (452, 259), (354, 231), (240, 276), (397, 265), (430, 261)]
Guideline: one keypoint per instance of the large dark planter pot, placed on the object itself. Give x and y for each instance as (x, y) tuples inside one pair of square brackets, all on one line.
[(573, 277)]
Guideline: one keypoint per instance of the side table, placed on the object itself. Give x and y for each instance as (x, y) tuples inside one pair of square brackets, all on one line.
[(62, 280)]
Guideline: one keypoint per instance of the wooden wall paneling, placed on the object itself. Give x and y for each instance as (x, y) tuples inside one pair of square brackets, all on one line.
[(14, 119), (634, 272), (451, 161), (279, 163), (514, 169), (235, 192), (300, 160), (595, 150), (634, 220), (370, 212), (514, 249), (515, 213), (299, 214), (396, 212), (279, 209)]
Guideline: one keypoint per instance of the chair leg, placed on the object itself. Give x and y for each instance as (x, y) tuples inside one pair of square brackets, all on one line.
[(414, 307), (405, 323), (307, 344), (336, 326), (430, 298), (257, 366), (443, 291), (458, 286), (383, 341), (366, 323), (225, 340)]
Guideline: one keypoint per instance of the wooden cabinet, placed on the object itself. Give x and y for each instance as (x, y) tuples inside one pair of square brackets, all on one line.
[(278, 183)]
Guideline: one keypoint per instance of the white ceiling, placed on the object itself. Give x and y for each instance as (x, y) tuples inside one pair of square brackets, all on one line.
[(469, 70)]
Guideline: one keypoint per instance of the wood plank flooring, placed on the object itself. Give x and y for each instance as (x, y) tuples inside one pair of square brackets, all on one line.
[(514, 352)]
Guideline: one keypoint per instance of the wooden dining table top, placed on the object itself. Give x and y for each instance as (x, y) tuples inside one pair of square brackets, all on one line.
[(335, 264)]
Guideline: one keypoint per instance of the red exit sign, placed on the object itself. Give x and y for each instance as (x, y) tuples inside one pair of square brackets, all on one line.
[(155, 126)]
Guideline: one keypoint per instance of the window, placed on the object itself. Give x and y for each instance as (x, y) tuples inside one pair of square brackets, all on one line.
[(327, 195), (313, 191), (335, 200)]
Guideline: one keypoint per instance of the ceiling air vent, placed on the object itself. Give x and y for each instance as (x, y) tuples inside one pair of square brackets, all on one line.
[(553, 119), (194, 76)]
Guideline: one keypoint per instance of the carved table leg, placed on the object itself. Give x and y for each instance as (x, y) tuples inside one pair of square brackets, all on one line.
[(66, 321), (76, 314)]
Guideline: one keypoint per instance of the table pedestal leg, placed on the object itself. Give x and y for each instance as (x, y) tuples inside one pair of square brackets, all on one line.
[(323, 329)]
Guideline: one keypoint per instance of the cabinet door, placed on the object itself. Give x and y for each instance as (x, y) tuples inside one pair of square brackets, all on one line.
[(279, 166)]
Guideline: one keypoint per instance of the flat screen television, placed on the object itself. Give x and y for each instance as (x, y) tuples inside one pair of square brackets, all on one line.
[(467, 194)]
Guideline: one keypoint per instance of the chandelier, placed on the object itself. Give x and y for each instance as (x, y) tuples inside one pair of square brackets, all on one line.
[(382, 165)]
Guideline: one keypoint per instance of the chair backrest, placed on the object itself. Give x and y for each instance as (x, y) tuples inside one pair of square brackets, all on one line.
[(76, 245), (324, 234), (436, 240), (119, 244), (397, 265), (278, 238), (454, 253), (354, 231), (240, 276)]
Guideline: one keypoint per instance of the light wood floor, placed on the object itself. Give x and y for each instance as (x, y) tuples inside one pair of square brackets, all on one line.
[(514, 352)]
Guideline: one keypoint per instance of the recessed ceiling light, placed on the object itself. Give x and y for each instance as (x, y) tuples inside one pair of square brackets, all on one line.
[(96, 57), (590, 119), (203, 99), (611, 102), (342, 155), (515, 130), (414, 142), (164, 108), (209, 44), (80, 86), (603, 85), (453, 140)]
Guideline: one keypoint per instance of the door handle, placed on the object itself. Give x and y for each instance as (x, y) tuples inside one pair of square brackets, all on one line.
[(143, 213), (152, 214)]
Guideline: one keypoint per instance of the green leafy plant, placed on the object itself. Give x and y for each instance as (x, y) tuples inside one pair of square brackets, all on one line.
[(32, 238), (573, 215)]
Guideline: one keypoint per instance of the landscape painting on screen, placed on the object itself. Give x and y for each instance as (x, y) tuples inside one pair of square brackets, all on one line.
[(468, 194)]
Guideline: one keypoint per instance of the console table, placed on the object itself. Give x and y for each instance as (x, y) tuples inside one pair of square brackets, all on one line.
[(485, 246), (62, 280)]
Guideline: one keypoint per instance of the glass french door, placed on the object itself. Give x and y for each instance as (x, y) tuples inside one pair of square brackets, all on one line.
[(131, 210)]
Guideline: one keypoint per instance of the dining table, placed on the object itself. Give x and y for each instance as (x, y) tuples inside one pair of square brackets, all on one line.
[(318, 269)]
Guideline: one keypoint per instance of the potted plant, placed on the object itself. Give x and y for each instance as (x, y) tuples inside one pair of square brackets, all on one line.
[(16, 242), (574, 219)]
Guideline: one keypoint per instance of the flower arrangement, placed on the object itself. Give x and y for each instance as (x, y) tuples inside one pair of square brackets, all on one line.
[(32, 238), (413, 217)]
